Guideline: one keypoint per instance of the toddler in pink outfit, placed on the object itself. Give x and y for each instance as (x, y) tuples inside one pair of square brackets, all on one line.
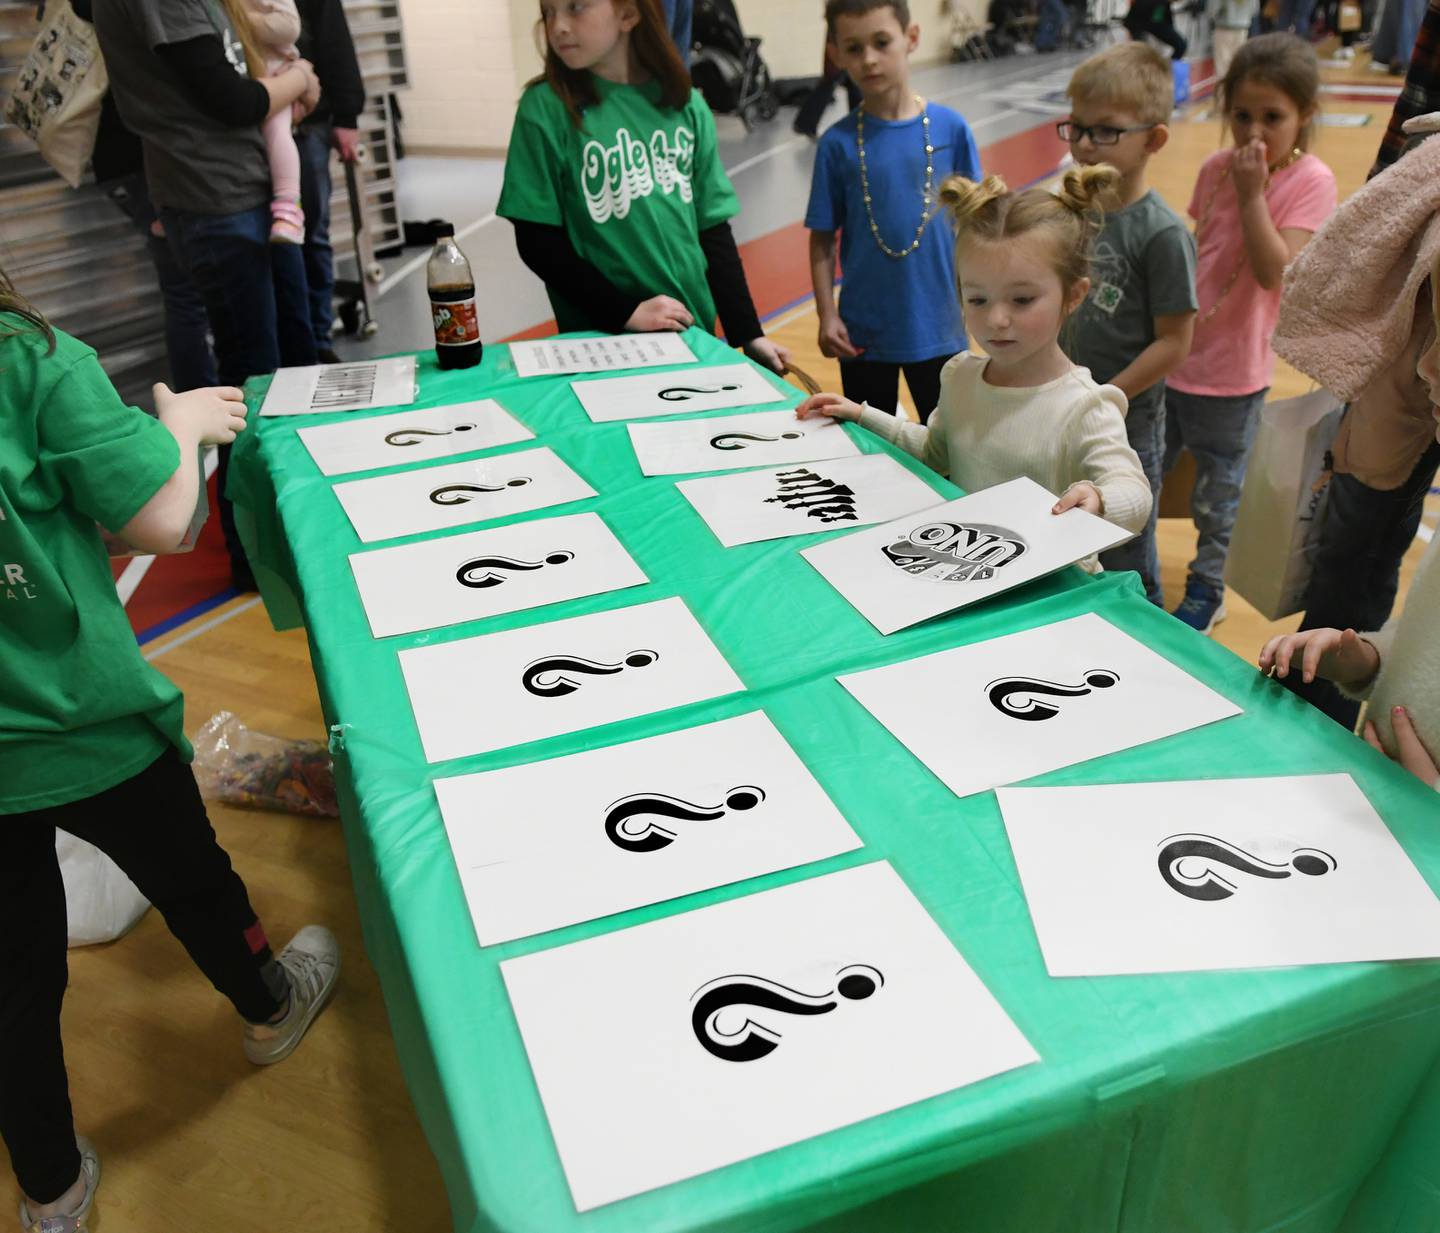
[(275, 25)]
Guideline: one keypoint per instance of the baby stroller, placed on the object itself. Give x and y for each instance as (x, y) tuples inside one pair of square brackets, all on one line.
[(726, 66)]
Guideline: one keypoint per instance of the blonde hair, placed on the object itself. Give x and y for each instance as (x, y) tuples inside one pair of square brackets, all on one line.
[(1129, 76), (245, 32), (1069, 217)]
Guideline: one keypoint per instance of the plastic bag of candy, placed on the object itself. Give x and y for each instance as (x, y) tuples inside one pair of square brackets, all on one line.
[(239, 767)]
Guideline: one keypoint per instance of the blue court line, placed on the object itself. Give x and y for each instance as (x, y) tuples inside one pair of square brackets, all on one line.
[(190, 613)]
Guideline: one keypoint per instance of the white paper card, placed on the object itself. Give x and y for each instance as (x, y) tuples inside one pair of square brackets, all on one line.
[(549, 844), (459, 493), (521, 685), (1000, 711), (756, 439), (1224, 873), (550, 357), (828, 495), (959, 553), (361, 386), (507, 569), (673, 393), (656, 1060), (411, 436)]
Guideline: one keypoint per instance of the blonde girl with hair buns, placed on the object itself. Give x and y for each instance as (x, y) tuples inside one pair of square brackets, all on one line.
[(1023, 264)]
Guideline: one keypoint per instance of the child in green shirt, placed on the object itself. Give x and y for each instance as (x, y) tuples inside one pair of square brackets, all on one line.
[(91, 739)]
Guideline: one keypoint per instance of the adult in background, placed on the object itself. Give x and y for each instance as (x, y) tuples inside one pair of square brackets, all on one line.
[(678, 16), (179, 77), (325, 41)]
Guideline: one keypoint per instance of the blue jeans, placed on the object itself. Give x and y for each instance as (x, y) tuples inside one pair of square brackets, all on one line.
[(1218, 431), (1145, 426), (313, 142), (1296, 15), (187, 333), (1397, 30), (1054, 17)]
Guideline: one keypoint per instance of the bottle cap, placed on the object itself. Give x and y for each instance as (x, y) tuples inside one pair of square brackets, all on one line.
[(444, 229)]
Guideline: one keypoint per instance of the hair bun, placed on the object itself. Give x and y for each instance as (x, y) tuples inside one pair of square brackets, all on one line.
[(1090, 189), (967, 198)]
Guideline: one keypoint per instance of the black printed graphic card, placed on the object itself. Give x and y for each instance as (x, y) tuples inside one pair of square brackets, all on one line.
[(677, 1047), (708, 388), (362, 386), (730, 442), (805, 498), (548, 844), (519, 685), (956, 554), (408, 437), (1217, 873), (1006, 709), (458, 493)]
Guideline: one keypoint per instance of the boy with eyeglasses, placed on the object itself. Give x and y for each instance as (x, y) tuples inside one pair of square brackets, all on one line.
[(1135, 327)]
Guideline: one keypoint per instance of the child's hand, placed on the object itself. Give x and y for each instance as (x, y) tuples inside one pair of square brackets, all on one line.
[(1337, 655), (768, 352), (1250, 170), (1082, 495), (835, 340), (1409, 752), (208, 417), (660, 312), (835, 406)]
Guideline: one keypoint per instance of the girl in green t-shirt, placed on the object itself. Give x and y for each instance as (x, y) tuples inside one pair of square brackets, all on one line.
[(615, 187), (91, 740)]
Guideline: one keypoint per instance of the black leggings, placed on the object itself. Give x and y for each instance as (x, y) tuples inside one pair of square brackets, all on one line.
[(1154, 17), (154, 827), (879, 384)]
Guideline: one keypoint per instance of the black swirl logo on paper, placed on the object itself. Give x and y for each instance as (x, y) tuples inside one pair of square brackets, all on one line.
[(1202, 867), (815, 496), (630, 823), (753, 1038), (555, 676), (493, 571), (414, 436), (684, 393), (458, 494), (955, 551), (1026, 697), (744, 440)]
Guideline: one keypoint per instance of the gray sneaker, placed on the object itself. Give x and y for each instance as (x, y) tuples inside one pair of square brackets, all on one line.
[(311, 963), (75, 1222)]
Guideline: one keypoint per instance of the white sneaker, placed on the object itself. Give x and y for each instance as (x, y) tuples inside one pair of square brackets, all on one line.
[(312, 965), (75, 1221)]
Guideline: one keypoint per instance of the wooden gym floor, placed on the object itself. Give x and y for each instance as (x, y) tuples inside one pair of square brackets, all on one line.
[(191, 1135)]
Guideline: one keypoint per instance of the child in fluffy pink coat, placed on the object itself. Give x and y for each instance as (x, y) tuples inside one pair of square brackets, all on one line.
[(275, 25)]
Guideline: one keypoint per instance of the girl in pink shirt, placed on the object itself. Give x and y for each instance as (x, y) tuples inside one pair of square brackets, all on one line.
[(273, 26), (1255, 207)]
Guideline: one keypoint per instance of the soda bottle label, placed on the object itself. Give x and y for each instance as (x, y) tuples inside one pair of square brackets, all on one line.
[(456, 322)]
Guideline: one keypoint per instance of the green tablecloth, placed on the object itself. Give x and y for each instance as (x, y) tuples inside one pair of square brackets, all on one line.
[(1250, 1101)]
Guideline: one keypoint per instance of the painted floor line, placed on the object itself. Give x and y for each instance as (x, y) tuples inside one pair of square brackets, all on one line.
[(203, 628)]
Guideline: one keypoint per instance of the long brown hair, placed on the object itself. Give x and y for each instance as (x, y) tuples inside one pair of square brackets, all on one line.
[(1281, 60), (11, 301), (652, 48)]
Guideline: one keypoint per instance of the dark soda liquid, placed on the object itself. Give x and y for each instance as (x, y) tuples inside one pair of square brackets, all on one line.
[(456, 298)]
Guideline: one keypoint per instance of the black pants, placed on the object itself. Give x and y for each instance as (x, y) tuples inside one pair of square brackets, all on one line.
[(154, 827), (879, 384), (1357, 566), (1150, 17), (807, 119)]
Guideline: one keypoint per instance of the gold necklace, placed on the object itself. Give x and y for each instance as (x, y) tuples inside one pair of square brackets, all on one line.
[(1271, 169), (929, 182)]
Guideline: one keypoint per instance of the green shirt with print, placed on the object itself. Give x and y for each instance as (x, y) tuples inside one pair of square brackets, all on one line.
[(80, 709), (633, 187)]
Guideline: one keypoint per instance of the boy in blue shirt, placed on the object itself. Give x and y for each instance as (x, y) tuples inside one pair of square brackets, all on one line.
[(877, 182)]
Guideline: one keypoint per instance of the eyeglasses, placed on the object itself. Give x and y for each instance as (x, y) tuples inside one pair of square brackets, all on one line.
[(1099, 134)]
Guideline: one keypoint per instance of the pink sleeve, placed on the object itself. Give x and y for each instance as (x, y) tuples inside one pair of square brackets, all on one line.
[(1209, 169), (1312, 202)]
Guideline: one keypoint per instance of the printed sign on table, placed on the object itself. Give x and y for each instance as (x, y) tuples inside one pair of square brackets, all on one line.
[(1003, 710), (361, 386), (526, 684), (551, 357), (506, 569), (548, 844), (714, 388), (959, 553), (827, 495), (756, 439), (676, 1047), (411, 436), (1218, 873), (459, 493)]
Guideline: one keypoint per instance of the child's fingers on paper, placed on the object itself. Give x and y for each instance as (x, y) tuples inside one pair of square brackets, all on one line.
[(1372, 738)]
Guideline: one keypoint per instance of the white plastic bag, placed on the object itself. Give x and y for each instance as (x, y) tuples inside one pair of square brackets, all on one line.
[(101, 903)]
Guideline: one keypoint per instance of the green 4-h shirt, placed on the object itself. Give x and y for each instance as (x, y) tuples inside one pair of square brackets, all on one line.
[(633, 187), (80, 709)]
